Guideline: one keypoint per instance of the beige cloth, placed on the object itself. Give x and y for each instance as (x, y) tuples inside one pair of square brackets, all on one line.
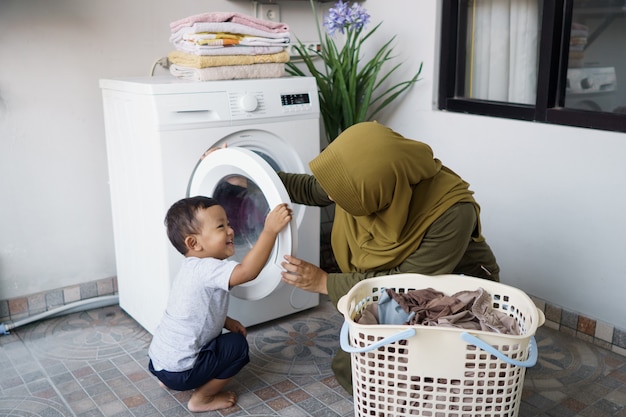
[(232, 72)]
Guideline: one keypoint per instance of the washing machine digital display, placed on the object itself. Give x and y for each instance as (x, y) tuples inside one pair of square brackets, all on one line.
[(292, 99)]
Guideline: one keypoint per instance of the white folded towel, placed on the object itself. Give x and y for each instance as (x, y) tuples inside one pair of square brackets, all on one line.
[(231, 72), (227, 50), (224, 27)]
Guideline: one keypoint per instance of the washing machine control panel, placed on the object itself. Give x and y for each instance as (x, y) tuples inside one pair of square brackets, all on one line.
[(259, 104), (180, 102)]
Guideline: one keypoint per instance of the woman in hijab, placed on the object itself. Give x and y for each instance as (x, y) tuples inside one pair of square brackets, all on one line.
[(397, 210)]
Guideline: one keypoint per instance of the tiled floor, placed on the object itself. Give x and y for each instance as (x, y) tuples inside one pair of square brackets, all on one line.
[(93, 363)]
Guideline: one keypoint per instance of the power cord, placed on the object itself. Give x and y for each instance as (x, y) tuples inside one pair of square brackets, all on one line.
[(162, 62)]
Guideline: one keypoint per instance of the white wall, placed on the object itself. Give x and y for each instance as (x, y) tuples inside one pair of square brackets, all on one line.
[(551, 196)]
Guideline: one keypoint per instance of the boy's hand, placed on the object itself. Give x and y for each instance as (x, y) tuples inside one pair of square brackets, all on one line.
[(235, 326), (278, 218)]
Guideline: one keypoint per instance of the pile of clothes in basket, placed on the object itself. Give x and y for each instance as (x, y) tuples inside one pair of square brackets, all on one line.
[(470, 310), (227, 46)]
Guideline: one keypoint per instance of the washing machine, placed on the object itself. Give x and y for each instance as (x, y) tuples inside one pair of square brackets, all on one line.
[(158, 131), (591, 88)]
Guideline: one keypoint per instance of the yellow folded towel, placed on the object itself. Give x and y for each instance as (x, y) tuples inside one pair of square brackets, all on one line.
[(205, 61)]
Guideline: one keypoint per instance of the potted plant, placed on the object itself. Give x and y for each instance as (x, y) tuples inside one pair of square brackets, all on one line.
[(350, 90)]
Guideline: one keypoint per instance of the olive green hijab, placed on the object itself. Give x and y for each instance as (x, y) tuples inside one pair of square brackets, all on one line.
[(388, 190)]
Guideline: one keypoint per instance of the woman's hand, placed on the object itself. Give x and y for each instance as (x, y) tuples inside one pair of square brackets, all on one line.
[(235, 326), (304, 275), (211, 150)]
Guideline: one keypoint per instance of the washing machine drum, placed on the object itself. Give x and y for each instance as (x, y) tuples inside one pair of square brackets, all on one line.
[(248, 188)]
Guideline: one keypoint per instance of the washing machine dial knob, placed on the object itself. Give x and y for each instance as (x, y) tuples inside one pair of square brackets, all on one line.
[(248, 102)]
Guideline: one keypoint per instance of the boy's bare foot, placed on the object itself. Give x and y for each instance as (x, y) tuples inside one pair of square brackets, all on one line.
[(198, 404)]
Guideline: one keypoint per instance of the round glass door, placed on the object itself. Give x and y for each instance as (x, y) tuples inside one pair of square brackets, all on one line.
[(248, 188)]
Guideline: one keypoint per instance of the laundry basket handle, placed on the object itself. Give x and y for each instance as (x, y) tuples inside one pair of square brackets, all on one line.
[(532, 353), (410, 332), (345, 342)]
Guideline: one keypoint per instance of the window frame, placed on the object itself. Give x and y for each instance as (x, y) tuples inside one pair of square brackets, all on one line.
[(552, 72)]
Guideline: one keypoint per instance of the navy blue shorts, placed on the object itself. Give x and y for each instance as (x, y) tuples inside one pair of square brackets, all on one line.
[(222, 358)]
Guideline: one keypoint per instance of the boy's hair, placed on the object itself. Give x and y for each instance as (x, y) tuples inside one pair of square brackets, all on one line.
[(181, 221)]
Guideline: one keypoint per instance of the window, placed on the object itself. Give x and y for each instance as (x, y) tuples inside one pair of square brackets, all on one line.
[(552, 61)]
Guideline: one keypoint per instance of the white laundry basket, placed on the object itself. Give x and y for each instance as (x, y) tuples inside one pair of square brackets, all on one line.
[(402, 370)]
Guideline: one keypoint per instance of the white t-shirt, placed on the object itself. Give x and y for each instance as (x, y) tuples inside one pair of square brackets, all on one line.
[(195, 313)]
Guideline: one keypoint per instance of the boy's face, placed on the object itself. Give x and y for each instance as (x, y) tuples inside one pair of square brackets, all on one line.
[(216, 238)]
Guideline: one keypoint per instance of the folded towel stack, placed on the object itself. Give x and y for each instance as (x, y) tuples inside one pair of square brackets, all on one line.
[(577, 43), (228, 46)]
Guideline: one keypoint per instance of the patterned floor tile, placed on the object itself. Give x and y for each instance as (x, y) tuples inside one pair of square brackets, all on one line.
[(93, 363)]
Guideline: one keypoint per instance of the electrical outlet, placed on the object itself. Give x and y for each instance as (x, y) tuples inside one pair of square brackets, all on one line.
[(309, 46), (269, 12)]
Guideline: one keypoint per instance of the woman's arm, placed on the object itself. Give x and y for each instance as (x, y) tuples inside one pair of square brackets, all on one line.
[(304, 189)]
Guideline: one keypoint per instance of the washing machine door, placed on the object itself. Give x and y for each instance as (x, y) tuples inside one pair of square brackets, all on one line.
[(248, 188)]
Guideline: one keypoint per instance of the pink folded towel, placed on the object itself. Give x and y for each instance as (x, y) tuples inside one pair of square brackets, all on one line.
[(265, 25)]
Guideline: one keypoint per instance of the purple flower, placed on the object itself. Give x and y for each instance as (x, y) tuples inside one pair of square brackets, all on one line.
[(342, 18)]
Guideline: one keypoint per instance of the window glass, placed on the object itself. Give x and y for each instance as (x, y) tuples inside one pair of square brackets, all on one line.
[(555, 61), (502, 49), (596, 60), (246, 208)]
